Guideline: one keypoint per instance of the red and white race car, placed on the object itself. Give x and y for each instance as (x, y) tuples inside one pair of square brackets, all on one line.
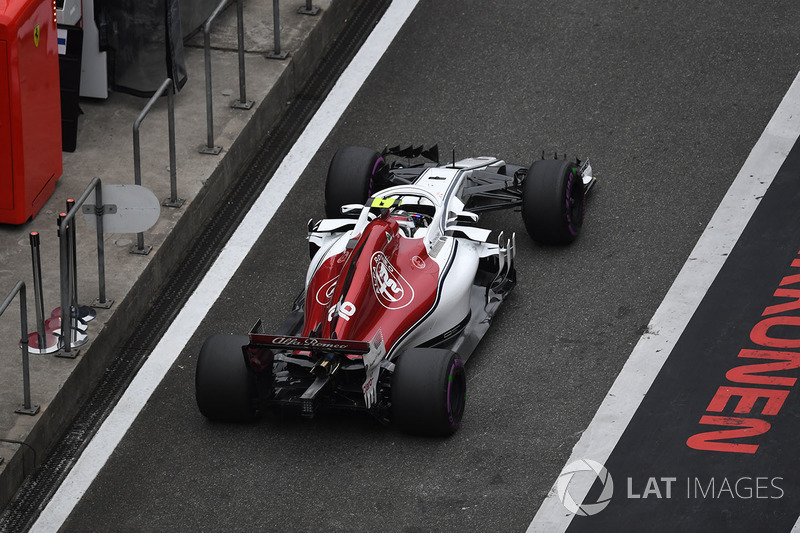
[(402, 286)]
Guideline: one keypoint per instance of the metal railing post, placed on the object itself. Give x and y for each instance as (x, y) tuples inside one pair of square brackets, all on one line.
[(99, 210), (210, 148), (308, 9), (71, 334), (140, 248), (242, 102), (26, 408), (73, 259), (83, 312), (173, 200), (137, 179), (41, 341), (37, 289), (63, 256), (276, 22)]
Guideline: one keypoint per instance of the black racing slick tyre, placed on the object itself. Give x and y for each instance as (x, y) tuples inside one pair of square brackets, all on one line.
[(354, 174), (429, 389), (553, 201), (225, 389)]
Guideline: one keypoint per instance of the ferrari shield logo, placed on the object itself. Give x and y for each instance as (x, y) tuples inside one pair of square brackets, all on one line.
[(36, 36)]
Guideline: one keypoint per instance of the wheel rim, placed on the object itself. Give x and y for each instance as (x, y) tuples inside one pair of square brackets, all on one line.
[(456, 392), (378, 162), (574, 202)]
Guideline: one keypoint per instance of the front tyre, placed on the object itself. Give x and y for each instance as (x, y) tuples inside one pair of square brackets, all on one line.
[(553, 201), (354, 174), (429, 389), (225, 389)]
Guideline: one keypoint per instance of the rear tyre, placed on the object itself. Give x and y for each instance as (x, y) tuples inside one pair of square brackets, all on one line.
[(354, 174), (553, 201), (429, 389), (225, 389)]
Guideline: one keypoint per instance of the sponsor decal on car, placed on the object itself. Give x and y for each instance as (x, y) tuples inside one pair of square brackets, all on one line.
[(384, 203), (343, 310), (309, 343), (325, 293), (391, 288)]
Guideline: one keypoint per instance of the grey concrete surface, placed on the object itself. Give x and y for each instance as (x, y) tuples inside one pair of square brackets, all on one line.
[(105, 150)]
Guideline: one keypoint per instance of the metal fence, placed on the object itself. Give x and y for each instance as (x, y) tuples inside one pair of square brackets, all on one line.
[(26, 408), (68, 265), (243, 102), (173, 200)]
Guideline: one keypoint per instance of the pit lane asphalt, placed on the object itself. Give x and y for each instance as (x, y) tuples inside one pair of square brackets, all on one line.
[(667, 101)]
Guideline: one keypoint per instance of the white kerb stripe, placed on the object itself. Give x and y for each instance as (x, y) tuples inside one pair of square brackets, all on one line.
[(152, 372), (680, 303)]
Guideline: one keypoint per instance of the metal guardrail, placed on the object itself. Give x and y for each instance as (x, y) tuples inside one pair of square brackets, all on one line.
[(173, 200), (69, 306), (26, 408), (243, 102)]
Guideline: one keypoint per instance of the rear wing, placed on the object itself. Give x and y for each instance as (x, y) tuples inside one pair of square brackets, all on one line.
[(314, 344), (373, 354), (309, 343)]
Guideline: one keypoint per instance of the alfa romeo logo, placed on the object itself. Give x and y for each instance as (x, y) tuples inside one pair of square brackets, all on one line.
[(391, 288), (325, 293), (585, 467)]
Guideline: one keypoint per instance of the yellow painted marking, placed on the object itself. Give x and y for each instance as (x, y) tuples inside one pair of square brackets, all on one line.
[(385, 203)]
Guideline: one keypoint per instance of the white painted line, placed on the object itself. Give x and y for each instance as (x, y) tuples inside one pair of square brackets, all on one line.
[(679, 305), (112, 431)]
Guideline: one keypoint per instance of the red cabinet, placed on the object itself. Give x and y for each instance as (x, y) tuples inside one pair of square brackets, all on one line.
[(30, 108)]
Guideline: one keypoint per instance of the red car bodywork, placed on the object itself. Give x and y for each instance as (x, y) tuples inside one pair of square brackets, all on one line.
[(384, 281)]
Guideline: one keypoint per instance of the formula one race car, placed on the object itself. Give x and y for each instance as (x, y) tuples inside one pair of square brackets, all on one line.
[(401, 287)]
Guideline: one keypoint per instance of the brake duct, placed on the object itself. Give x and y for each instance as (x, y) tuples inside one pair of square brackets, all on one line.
[(506, 273)]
